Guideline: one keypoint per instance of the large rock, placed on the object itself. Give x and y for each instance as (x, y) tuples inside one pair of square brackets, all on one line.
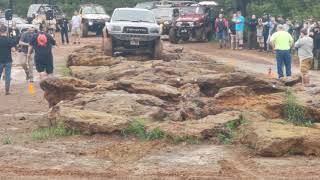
[(141, 87), (119, 103), (270, 105), (88, 121), (234, 91), (207, 127), (92, 60), (277, 137), (210, 84), (65, 88)]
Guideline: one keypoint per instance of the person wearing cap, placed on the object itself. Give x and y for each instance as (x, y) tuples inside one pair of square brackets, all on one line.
[(305, 53), (7, 46), (64, 29), (27, 64), (282, 41)]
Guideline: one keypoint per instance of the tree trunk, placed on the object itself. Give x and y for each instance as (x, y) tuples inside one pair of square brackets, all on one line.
[(242, 6)]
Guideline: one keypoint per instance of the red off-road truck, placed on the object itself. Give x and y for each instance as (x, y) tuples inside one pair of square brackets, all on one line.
[(192, 23)]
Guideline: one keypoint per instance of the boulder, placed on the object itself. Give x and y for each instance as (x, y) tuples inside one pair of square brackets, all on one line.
[(207, 127), (162, 91), (277, 138), (88, 121), (234, 91), (65, 88), (210, 84), (92, 60), (119, 103)]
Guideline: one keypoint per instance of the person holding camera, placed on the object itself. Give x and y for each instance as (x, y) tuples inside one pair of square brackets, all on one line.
[(7, 46), (64, 29), (27, 64)]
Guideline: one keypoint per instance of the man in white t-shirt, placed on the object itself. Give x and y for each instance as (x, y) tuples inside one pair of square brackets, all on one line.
[(76, 27)]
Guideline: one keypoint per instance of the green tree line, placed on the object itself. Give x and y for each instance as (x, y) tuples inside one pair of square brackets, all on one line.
[(295, 9)]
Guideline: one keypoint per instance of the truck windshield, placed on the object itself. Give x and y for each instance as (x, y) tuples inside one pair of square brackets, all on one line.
[(93, 10), (192, 10), (163, 12), (133, 16)]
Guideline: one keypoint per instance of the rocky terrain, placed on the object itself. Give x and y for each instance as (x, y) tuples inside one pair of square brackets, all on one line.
[(186, 96)]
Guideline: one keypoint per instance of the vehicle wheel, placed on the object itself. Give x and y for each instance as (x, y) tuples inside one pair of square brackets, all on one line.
[(157, 50), (84, 30), (173, 36), (200, 34), (108, 46)]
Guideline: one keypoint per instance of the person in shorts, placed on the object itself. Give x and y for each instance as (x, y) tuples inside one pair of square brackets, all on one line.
[(240, 23), (221, 27), (42, 44), (76, 27), (260, 37), (305, 52), (24, 61), (232, 31)]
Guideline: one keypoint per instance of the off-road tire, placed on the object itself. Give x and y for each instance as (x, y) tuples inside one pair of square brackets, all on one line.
[(173, 36), (108, 46), (201, 35), (157, 49), (84, 30)]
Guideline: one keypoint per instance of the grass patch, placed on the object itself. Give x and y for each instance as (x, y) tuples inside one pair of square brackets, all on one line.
[(65, 71), (58, 130), (294, 112), (138, 129), (7, 140), (231, 131)]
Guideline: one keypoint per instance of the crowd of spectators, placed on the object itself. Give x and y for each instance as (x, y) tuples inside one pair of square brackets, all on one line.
[(256, 31)]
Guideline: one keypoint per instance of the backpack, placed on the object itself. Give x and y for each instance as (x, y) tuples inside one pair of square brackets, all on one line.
[(221, 25), (42, 40)]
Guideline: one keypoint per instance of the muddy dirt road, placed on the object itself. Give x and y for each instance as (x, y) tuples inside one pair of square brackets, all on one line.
[(116, 157)]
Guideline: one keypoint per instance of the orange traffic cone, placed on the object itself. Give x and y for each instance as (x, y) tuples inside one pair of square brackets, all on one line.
[(31, 89)]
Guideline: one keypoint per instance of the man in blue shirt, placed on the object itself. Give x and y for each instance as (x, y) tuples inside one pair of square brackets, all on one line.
[(240, 20)]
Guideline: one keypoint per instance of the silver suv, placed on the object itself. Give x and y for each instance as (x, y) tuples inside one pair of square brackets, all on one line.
[(132, 30), (93, 17)]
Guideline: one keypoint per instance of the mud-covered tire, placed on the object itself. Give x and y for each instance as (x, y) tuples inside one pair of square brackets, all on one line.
[(157, 49), (173, 36), (84, 30), (108, 46), (201, 35)]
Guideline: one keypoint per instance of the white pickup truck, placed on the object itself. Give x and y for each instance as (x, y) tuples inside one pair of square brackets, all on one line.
[(132, 30)]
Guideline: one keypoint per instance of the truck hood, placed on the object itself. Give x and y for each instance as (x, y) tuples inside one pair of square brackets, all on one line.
[(134, 24), (96, 16), (26, 26), (191, 17)]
